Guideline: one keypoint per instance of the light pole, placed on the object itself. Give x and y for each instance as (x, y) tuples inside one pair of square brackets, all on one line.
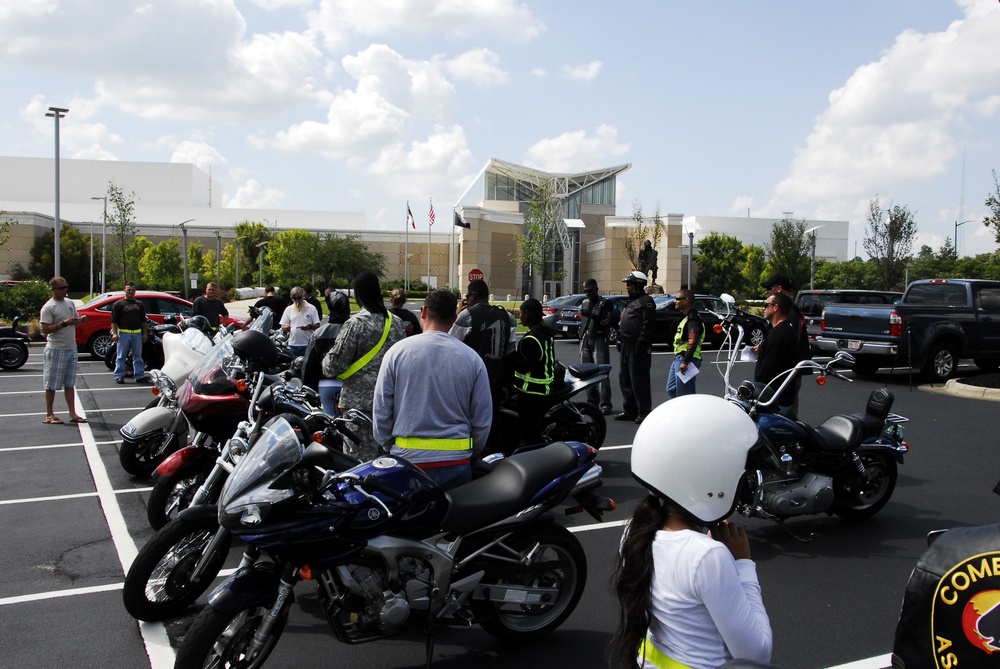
[(812, 264), (104, 241), (57, 113), (184, 234), (260, 258), (690, 227), (957, 224), (218, 257)]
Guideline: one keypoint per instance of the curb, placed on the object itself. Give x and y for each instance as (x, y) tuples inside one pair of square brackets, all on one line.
[(955, 387)]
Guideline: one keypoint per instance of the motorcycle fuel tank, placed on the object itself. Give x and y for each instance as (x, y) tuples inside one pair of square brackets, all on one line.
[(779, 429)]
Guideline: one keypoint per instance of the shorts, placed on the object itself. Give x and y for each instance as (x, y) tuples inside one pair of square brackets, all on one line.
[(59, 368)]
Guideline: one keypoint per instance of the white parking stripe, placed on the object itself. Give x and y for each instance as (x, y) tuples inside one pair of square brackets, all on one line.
[(42, 413), (56, 498), (45, 446)]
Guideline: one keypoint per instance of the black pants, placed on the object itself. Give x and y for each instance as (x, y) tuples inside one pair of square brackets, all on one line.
[(633, 377)]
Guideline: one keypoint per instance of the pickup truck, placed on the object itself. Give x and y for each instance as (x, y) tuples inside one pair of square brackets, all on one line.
[(936, 323), (811, 304)]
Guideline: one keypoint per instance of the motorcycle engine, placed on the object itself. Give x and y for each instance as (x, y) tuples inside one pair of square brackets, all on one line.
[(813, 493)]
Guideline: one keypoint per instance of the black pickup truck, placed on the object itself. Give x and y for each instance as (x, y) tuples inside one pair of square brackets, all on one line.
[(936, 323)]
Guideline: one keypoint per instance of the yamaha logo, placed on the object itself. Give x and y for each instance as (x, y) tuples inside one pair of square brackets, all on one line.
[(374, 514), (965, 619)]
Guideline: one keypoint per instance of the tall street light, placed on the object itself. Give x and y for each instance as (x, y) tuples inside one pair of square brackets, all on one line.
[(812, 265), (57, 113), (184, 234), (218, 257), (956, 233), (260, 258), (104, 241)]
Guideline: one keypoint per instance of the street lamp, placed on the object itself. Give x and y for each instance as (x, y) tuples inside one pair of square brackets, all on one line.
[(184, 234), (956, 233), (260, 258), (57, 113), (104, 241), (218, 257), (690, 228), (812, 265)]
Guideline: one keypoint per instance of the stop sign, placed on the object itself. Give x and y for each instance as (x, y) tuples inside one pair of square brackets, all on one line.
[(476, 275)]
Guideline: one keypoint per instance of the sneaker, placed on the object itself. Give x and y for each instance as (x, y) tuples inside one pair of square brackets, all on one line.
[(606, 409), (624, 417), (119, 381), (142, 379)]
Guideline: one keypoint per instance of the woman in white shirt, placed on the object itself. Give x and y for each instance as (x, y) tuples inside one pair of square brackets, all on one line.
[(688, 598)]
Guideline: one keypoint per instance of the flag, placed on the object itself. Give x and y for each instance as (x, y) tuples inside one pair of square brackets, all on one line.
[(461, 222), (430, 215), (409, 216)]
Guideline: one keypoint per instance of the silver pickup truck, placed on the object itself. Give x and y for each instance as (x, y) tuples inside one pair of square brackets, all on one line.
[(936, 323)]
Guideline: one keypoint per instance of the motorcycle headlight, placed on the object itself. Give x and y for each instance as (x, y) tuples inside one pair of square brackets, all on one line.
[(237, 448)]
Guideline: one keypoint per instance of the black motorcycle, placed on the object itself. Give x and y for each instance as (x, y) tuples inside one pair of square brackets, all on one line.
[(13, 346), (152, 348)]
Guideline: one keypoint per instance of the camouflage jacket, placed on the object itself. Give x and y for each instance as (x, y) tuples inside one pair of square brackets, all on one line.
[(359, 335)]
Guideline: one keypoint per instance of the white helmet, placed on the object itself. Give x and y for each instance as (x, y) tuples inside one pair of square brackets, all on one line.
[(635, 277), (692, 450)]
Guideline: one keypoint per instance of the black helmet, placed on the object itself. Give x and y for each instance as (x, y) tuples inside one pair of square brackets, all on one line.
[(256, 346), (200, 323)]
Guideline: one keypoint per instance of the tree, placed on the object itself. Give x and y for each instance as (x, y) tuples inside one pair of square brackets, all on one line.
[(160, 266), (852, 274), (74, 250), (537, 247), (790, 252), (718, 268), (290, 257), (122, 230), (889, 242), (753, 261), (340, 259), (249, 234), (993, 202), (133, 254), (5, 225), (635, 237)]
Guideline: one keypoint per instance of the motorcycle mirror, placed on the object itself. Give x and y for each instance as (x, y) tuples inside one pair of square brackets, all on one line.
[(728, 299)]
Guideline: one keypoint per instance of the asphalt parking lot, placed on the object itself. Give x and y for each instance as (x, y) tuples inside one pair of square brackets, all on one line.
[(73, 520)]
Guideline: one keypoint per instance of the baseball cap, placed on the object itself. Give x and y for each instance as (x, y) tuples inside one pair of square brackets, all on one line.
[(779, 280)]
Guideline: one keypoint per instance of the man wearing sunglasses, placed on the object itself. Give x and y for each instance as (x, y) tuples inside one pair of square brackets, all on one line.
[(780, 350), (59, 319)]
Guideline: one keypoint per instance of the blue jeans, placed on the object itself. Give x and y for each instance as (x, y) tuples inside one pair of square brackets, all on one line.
[(676, 387), (129, 343)]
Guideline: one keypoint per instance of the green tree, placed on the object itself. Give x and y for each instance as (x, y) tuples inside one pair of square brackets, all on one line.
[(121, 232), (195, 252), (24, 300), (161, 267), (290, 257), (133, 254), (74, 250), (790, 252), (538, 248), (889, 242), (340, 259), (719, 270), (753, 261), (249, 236), (853, 274), (993, 202), (5, 225)]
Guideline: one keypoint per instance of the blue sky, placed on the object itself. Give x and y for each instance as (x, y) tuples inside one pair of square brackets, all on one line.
[(722, 107)]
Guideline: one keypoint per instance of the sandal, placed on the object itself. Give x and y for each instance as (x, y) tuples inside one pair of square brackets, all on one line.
[(52, 421), (78, 419)]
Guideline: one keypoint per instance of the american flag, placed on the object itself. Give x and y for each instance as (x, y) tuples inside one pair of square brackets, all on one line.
[(409, 216), (430, 214)]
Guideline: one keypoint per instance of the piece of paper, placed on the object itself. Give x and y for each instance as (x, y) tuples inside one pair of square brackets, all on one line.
[(748, 354), (688, 373)]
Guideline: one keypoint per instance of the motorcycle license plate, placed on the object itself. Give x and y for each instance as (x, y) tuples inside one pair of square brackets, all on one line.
[(853, 344)]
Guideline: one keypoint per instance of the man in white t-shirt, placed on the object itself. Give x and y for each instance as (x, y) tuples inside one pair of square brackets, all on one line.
[(58, 320), (299, 320)]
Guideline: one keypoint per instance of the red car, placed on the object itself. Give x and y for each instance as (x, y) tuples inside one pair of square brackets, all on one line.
[(94, 335)]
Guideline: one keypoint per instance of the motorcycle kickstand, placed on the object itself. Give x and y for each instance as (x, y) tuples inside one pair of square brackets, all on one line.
[(805, 540), (429, 644)]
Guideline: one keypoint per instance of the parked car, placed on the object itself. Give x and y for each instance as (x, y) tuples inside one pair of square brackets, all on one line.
[(94, 335), (667, 317), (567, 316), (812, 303)]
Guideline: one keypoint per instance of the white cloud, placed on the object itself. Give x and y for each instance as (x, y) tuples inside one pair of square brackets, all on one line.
[(576, 151), (438, 165), (539, 72), (585, 72), (251, 195), (200, 154), (77, 138), (480, 66), (894, 122)]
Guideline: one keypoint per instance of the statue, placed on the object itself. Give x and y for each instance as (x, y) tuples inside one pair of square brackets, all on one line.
[(647, 260)]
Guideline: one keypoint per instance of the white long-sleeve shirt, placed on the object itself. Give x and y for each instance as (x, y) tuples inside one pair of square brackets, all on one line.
[(707, 607)]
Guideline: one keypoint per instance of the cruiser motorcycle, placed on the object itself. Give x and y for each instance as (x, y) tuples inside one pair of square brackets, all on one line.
[(13, 346)]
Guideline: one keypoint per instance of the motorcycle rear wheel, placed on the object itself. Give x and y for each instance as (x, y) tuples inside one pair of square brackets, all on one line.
[(559, 562), (564, 425), (220, 639), (141, 458), (172, 494), (158, 585), (875, 491), (13, 356)]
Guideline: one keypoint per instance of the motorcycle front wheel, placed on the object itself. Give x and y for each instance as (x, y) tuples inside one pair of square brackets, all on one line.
[(222, 640), (158, 585), (172, 494), (13, 356), (564, 424), (873, 490), (558, 563), (142, 457)]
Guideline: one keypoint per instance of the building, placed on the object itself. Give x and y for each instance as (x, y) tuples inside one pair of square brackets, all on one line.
[(593, 240)]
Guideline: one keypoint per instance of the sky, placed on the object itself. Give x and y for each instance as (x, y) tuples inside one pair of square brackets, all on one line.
[(722, 107)]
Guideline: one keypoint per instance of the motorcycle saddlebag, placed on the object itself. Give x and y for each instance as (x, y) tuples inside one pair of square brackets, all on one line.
[(951, 608)]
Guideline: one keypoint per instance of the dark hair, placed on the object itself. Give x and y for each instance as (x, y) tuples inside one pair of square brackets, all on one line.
[(479, 288), (686, 292), (269, 289), (588, 284), (532, 308), (783, 302), (442, 305), (308, 287), (632, 581), (368, 293), (127, 284)]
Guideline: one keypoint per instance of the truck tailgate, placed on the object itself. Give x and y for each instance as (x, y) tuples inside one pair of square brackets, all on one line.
[(864, 321)]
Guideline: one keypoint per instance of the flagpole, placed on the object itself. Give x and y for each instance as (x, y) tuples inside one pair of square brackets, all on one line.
[(430, 224), (406, 248)]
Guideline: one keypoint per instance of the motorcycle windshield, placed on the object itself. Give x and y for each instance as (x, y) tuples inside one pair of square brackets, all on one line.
[(276, 449), (212, 374), (197, 340)]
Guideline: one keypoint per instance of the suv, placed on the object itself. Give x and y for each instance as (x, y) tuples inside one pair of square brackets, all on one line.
[(94, 334), (812, 303)]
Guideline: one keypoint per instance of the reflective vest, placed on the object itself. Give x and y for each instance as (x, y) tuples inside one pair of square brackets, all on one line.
[(540, 376), (680, 341)]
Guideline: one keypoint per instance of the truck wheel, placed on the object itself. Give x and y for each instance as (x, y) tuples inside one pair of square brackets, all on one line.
[(941, 363)]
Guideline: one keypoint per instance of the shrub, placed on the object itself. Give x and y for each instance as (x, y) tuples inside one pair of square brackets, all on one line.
[(24, 300)]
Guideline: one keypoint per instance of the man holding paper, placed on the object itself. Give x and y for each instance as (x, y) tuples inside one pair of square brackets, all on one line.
[(687, 347)]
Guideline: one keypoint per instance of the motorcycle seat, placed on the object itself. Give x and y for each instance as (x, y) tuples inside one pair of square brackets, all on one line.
[(508, 489), (584, 370), (837, 434)]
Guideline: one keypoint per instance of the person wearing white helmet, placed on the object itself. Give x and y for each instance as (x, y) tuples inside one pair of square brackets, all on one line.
[(688, 598), (635, 332)]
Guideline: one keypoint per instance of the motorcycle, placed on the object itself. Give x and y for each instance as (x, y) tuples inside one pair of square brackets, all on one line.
[(13, 346), (198, 403), (153, 351), (845, 466), (565, 420), (182, 559), (389, 549)]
